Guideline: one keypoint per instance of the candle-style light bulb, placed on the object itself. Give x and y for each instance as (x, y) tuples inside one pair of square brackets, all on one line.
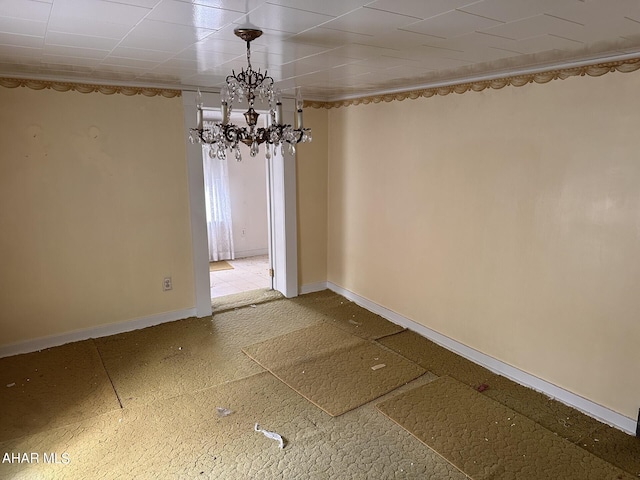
[(199, 117), (199, 110), (278, 107), (224, 104), (299, 103)]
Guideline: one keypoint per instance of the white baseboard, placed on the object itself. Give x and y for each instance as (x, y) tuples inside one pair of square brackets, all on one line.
[(313, 287), (250, 253), (94, 332), (588, 407)]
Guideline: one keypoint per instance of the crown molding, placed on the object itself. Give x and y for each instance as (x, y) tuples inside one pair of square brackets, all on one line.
[(593, 70), (87, 88)]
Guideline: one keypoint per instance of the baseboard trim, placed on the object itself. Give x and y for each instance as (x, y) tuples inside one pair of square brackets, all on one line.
[(250, 253), (588, 407), (94, 332), (313, 287)]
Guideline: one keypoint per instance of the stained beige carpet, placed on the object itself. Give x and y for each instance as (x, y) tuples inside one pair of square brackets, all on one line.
[(332, 369), (487, 440), (184, 438), (221, 265), (244, 299), (347, 315), (169, 428), (192, 354), (551, 414), (53, 387)]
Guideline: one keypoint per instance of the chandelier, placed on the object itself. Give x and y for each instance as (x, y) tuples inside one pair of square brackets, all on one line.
[(248, 85)]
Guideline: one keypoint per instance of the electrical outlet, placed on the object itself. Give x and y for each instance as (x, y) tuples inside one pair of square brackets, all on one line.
[(166, 284)]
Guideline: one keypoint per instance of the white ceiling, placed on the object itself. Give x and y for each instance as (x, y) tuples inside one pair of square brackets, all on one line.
[(333, 49)]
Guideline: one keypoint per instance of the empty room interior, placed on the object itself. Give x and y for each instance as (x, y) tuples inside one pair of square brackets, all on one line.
[(433, 208)]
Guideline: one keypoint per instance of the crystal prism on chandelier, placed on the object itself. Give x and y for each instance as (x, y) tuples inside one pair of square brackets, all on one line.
[(249, 84)]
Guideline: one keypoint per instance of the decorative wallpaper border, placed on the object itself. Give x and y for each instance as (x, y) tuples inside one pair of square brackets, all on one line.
[(595, 70), (87, 88)]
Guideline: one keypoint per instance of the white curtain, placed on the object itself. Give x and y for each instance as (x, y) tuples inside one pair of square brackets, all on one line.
[(216, 187)]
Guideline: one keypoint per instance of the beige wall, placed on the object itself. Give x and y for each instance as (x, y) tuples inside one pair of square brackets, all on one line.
[(507, 220), (311, 170), (94, 211)]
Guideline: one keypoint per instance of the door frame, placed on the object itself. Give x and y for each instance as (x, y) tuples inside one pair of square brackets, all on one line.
[(282, 205)]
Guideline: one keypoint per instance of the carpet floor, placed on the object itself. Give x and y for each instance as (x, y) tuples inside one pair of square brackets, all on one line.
[(182, 400), (220, 265)]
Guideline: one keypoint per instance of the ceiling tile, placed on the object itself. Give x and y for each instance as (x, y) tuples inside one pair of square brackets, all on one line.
[(284, 19), (109, 12), (511, 10), (630, 45), (600, 21), (325, 60), (369, 21), (268, 37), (451, 24), (356, 69), (140, 54), (69, 60), (595, 11), (88, 27), (170, 37), (78, 52), (439, 63), (19, 26), (243, 6), (137, 3), (21, 40), (200, 80), (407, 71), (543, 43), (162, 79), (194, 15), (178, 71), (474, 39), (25, 9), (471, 55), (291, 51), (420, 8), (9, 64), (384, 62), (290, 70), (197, 54), (536, 26), (173, 31), (18, 53), (70, 40), (334, 8), (360, 51), (399, 40), (328, 37), (112, 60), (215, 44)]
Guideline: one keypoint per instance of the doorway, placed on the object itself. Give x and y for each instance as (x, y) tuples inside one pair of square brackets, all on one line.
[(282, 212), (237, 194)]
